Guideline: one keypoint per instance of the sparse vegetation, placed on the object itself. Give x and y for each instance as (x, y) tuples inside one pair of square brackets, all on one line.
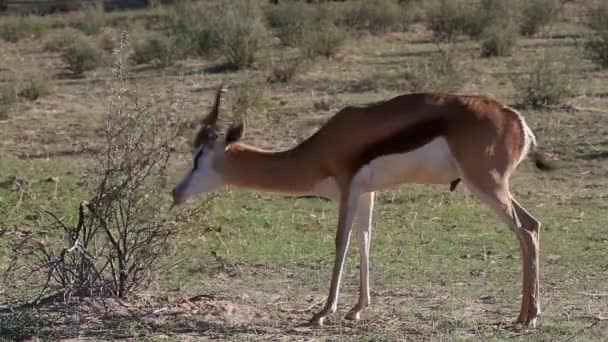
[(13, 29), (284, 70), (491, 15), (547, 84), (244, 37), (194, 28), (92, 19), (33, 87), (292, 20), (537, 14), (375, 16), (444, 72), (499, 40), (448, 19), (159, 50), (81, 56), (8, 93), (596, 45), (326, 41), (236, 31), (29, 85), (248, 97), (60, 39), (108, 42)]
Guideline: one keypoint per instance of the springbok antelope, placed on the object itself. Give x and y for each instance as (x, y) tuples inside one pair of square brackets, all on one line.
[(414, 138)]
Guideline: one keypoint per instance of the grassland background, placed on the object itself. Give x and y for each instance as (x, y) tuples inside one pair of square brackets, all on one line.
[(443, 266)]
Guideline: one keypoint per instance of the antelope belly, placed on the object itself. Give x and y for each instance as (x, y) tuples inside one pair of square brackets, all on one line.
[(432, 163)]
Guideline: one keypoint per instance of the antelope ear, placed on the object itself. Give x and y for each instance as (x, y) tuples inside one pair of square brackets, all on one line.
[(234, 133)]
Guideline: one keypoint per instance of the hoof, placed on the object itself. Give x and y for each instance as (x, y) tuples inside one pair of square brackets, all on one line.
[(353, 315), (316, 321), (527, 322)]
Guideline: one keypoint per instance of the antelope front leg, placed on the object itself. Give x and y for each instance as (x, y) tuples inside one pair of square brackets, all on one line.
[(348, 207), (364, 230)]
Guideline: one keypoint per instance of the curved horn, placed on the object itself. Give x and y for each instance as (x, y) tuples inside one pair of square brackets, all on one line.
[(211, 118)]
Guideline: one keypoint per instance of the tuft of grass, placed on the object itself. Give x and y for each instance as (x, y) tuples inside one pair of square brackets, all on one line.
[(81, 56), (92, 19), (326, 41), (499, 40), (8, 93), (194, 28), (13, 29), (59, 40), (444, 72), (34, 87), (292, 20), (538, 13), (249, 96), (486, 15), (375, 15), (548, 83), (159, 50), (28, 85), (284, 70), (108, 41), (448, 19), (596, 46), (232, 29), (244, 37)]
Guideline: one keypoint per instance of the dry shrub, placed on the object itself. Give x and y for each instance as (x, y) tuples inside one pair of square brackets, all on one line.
[(29, 85), (248, 96), (81, 56), (326, 41), (158, 50), (547, 83), (92, 19), (375, 16), (109, 40), (445, 71), (13, 29), (114, 245), (243, 35), (292, 21), (499, 40), (596, 46), (8, 93), (233, 29), (193, 27), (284, 69), (60, 39), (537, 14), (448, 19), (34, 86)]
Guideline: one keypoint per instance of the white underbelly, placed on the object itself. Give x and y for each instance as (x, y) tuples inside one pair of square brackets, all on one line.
[(430, 164)]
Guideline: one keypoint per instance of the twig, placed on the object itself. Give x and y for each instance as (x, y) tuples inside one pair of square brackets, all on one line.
[(312, 306)]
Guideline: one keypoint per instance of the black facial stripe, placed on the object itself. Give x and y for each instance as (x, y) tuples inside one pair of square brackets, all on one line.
[(198, 154)]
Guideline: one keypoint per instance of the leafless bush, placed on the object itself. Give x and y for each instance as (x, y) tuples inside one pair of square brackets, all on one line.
[(284, 70), (596, 45), (445, 71), (548, 83), (121, 232)]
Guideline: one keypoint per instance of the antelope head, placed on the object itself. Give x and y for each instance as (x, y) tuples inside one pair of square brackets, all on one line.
[(208, 154)]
